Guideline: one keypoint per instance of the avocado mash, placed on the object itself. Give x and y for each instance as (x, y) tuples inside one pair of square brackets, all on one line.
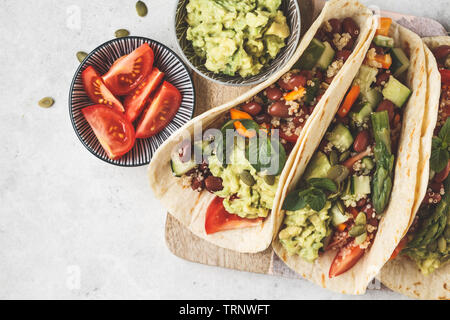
[(305, 231), (236, 36), (240, 198)]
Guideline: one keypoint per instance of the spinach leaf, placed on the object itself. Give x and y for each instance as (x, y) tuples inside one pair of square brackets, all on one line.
[(323, 183)]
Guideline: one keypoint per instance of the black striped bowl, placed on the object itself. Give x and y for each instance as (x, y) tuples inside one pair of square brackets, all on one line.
[(291, 11), (101, 59)]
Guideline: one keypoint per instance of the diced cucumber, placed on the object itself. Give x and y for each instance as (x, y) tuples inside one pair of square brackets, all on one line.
[(365, 77), (340, 137), (400, 62), (383, 41), (311, 55), (179, 167), (318, 167), (363, 114), (368, 163), (337, 216), (361, 238), (396, 92), (361, 185), (326, 58), (373, 96), (311, 91), (381, 129)]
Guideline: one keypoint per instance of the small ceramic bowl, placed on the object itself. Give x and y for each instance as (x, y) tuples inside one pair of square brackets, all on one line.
[(101, 58), (290, 9)]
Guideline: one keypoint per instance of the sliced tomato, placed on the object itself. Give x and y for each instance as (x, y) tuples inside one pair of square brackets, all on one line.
[(114, 132), (399, 248), (135, 101), (161, 110), (97, 91), (128, 71), (218, 219), (345, 259), (445, 76)]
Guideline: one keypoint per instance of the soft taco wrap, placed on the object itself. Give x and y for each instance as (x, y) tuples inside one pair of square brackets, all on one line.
[(351, 186), (235, 203), (419, 266)]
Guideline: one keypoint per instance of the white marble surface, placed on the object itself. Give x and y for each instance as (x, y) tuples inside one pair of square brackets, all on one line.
[(72, 226)]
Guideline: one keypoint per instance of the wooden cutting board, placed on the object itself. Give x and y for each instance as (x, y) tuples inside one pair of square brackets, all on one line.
[(180, 241)]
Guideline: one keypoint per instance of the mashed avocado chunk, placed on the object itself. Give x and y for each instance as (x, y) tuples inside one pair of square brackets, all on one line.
[(240, 198), (236, 36), (305, 231), (431, 257)]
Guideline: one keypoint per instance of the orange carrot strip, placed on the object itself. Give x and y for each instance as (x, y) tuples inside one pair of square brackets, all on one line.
[(383, 27), (350, 99)]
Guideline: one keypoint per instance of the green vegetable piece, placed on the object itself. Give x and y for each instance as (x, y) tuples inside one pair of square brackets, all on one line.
[(141, 9), (323, 183), (338, 216), (396, 92), (361, 219), (368, 163), (269, 179), (311, 55), (363, 114), (81, 55), (340, 137), (46, 102), (361, 238), (357, 230), (121, 33), (344, 156), (293, 201), (442, 244), (311, 91), (365, 77), (361, 185), (334, 158), (326, 58), (400, 62), (383, 41), (338, 173), (318, 167)]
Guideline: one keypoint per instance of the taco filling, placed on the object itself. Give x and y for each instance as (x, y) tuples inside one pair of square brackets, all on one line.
[(244, 187), (428, 239), (347, 184)]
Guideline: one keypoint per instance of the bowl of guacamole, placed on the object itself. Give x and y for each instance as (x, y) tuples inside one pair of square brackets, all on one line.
[(237, 42)]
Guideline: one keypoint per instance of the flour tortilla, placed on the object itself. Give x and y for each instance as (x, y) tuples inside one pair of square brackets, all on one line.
[(189, 206), (402, 274), (397, 215)]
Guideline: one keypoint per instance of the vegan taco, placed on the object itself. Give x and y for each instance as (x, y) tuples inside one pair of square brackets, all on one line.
[(222, 188), (350, 187), (419, 265)]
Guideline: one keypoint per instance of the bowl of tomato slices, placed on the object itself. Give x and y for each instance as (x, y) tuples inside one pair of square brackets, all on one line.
[(127, 97)]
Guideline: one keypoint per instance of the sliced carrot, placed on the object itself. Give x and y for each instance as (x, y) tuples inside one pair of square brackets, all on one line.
[(349, 100), (341, 227), (383, 27), (238, 114), (295, 94), (399, 248), (384, 59)]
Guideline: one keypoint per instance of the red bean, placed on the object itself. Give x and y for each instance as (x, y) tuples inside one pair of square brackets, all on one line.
[(197, 184), (295, 81), (349, 45), (441, 52), (279, 109), (388, 106), (349, 26), (253, 108), (274, 93), (262, 118), (213, 184), (336, 25), (441, 176), (361, 141), (383, 77), (343, 54)]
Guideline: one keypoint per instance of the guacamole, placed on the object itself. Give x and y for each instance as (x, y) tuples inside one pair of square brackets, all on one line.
[(431, 257), (305, 231), (236, 36), (240, 198)]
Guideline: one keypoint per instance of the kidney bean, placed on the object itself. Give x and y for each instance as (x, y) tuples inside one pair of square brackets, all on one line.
[(279, 109), (361, 141), (441, 52), (436, 186), (349, 26), (197, 184), (383, 77), (343, 54), (295, 81), (307, 74), (361, 203), (388, 106), (213, 184), (336, 25), (322, 35), (274, 93), (349, 45), (253, 108), (319, 75), (262, 118), (378, 50)]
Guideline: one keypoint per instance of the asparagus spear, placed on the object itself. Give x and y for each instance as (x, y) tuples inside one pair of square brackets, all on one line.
[(382, 179)]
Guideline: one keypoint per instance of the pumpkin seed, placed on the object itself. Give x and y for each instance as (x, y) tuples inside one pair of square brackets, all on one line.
[(141, 9), (338, 173), (357, 231), (344, 156), (247, 178), (442, 244), (334, 158), (81, 55), (122, 33), (46, 102), (361, 219), (361, 238), (270, 180)]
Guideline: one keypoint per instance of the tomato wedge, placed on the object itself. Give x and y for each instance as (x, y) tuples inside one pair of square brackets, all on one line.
[(128, 71), (346, 258), (399, 248), (135, 101), (97, 91), (218, 219), (113, 131), (162, 109)]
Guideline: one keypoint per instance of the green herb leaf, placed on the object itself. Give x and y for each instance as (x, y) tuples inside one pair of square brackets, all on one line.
[(323, 183), (439, 159), (444, 134), (436, 143), (293, 201), (316, 199)]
